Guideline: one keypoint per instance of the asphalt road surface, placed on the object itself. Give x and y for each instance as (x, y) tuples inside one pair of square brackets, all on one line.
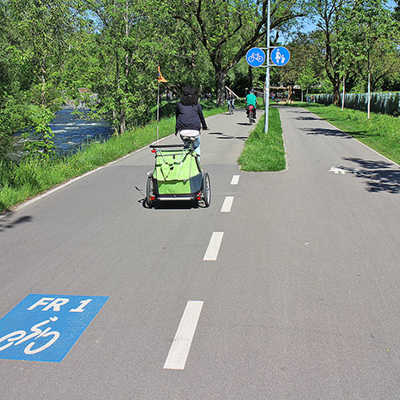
[(286, 287)]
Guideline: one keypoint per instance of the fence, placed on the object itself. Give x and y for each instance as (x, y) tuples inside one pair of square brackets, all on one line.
[(384, 103)]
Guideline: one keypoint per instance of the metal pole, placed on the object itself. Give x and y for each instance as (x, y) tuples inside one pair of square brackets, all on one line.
[(344, 88), (267, 71), (369, 90), (369, 95)]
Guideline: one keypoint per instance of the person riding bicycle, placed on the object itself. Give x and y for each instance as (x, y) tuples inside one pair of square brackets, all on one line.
[(230, 98), (190, 118), (251, 100)]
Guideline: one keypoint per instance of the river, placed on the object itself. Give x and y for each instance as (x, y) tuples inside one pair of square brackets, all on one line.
[(71, 131)]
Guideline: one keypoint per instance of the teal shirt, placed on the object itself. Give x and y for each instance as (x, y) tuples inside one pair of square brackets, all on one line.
[(251, 99)]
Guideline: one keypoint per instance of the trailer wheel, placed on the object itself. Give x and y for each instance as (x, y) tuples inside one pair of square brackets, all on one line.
[(149, 191), (206, 190)]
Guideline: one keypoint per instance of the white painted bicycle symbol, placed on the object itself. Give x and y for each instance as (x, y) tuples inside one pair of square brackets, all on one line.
[(18, 337), (255, 57)]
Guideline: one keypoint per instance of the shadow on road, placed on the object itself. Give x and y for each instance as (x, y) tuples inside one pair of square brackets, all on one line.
[(6, 223), (224, 136), (326, 132), (172, 205), (243, 138), (308, 119), (379, 175)]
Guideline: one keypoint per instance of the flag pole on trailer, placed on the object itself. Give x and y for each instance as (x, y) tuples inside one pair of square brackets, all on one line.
[(160, 79), (158, 107)]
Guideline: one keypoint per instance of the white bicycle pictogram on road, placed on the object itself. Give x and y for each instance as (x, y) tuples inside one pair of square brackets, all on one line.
[(18, 337)]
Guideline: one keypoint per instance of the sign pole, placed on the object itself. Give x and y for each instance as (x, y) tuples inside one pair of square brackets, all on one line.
[(267, 71)]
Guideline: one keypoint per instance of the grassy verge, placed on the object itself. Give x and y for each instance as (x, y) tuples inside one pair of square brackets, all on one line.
[(29, 178), (381, 132), (265, 152)]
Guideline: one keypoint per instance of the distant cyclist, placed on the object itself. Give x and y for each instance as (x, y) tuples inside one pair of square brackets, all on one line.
[(230, 98), (251, 100)]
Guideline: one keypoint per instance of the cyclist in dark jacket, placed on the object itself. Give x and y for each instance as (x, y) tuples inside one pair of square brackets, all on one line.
[(190, 118)]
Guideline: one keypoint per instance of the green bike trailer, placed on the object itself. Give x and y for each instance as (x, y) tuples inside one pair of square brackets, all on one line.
[(177, 175)]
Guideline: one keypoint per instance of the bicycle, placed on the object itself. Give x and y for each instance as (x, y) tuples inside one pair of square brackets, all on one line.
[(230, 107), (17, 337)]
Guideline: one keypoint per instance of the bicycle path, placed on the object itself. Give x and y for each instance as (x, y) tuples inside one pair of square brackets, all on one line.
[(95, 238), (299, 302)]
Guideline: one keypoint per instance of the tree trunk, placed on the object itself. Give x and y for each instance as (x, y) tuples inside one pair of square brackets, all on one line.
[(220, 86), (43, 87), (117, 98), (122, 118), (290, 95), (250, 77), (336, 91)]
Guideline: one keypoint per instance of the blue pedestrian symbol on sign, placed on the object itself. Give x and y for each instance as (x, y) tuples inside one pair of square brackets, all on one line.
[(44, 327), (255, 57), (280, 56)]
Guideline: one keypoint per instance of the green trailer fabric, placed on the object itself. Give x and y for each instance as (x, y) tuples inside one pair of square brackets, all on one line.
[(177, 172)]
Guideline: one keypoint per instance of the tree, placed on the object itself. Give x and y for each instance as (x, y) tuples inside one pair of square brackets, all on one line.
[(330, 22), (33, 37), (372, 44), (127, 45), (396, 13), (227, 29), (305, 64), (43, 28)]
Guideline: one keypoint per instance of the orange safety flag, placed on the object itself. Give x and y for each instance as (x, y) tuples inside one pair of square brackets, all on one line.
[(160, 78)]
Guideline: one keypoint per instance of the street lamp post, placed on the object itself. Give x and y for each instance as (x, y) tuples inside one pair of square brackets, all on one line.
[(267, 70)]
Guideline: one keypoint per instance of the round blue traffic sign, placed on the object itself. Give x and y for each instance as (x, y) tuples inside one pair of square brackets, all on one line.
[(255, 57), (280, 56)]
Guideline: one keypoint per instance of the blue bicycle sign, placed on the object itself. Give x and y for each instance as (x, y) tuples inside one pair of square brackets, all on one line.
[(255, 57), (280, 56)]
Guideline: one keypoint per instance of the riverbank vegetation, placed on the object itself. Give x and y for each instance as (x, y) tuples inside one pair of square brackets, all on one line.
[(265, 152)]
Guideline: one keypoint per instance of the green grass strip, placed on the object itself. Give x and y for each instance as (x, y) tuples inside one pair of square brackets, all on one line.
[(381, 132), (33, 177), (265, 152)]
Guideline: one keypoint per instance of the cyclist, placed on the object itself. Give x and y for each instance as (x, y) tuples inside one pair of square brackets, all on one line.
[(251, 100), (190, 118), (231, 101)]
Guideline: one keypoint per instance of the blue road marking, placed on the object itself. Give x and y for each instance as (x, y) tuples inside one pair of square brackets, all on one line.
[(44, 327)]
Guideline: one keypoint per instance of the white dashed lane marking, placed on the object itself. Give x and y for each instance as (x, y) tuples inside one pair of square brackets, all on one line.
[(213, 246), (235, 179), (227, 205), (180, 347)]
